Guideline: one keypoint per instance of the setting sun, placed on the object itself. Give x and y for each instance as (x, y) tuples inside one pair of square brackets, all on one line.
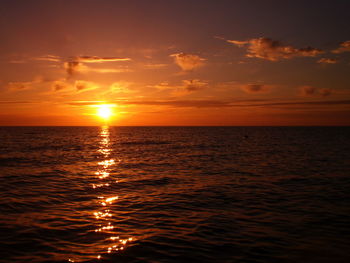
[(105, 111)]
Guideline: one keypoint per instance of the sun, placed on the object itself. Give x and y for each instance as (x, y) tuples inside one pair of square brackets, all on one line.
[(105, 111)]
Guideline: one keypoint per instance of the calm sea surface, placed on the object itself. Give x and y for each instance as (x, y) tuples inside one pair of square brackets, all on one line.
[(174, 194)]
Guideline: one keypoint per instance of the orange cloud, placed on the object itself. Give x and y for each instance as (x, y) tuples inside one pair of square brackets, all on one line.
[(266, 48), (344, 47), (327, 61), (216, 103), (50, 58), (95, 59), (188, 62)]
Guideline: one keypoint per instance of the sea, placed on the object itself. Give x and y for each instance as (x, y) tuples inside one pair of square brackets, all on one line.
[(175, 194)]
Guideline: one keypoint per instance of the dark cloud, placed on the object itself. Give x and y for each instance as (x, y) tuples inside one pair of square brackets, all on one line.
[(194, 84), (72, 67), (188, 62), (256, 88), (266, 48), (59, 85), (325, 92), (307, 90)]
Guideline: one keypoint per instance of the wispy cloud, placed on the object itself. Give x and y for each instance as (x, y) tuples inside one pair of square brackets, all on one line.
[(189, 86), (155, 66), (325, 92), (82, 85), (77, 64), (343, 47), (50, 58), (59, 85), (308, 91), (272, 50), (256, 88), (188, 62), (72, 67), (327, 61), (24, 85), (96, 59), (120, 87), (216, 103)]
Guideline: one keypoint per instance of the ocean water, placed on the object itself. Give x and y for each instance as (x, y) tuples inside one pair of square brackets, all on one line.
[(174, 194)]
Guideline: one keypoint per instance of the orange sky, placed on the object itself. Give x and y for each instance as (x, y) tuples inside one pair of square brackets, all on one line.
[(174, 63)]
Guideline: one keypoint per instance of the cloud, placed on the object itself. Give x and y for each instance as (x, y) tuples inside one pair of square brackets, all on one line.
[(189, 86), (215, 103), (19, 85), (308, 91), (72, 67), (188, 62), (50, 58), (266, 48), (344, 47), (194, 84), (17, 102), (238, 43), (256, 88), (96, 59), (106, 70), (59, 85), (327, 61), (121, 87), (325, 92), (155, 66), (25, 85), (77, 64), (82, 85)]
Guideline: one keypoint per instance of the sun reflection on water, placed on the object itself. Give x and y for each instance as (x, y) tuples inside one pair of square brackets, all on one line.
[(104, 214)]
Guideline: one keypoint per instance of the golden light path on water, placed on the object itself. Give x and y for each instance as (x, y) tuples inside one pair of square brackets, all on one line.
[(103, 215)]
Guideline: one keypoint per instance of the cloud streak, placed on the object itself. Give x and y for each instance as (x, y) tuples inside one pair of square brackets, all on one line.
[(96, 59), (77, 64), (272, 50), (216, 103), (327, 61), (343, 47)]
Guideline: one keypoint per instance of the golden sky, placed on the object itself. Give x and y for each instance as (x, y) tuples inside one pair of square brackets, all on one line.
[(175, 62)]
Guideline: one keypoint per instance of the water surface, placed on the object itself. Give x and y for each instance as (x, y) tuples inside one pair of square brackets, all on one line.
[(174, 194)]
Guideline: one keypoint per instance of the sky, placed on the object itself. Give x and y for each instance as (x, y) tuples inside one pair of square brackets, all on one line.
[(193, 62)]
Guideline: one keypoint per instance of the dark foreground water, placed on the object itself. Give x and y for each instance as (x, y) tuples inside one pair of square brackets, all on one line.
[(174, 194)]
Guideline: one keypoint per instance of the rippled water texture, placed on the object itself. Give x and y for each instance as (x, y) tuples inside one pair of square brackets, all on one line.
[(174, 194)]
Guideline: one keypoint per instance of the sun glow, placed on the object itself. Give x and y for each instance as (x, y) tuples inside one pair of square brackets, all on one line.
[(105, 111)]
